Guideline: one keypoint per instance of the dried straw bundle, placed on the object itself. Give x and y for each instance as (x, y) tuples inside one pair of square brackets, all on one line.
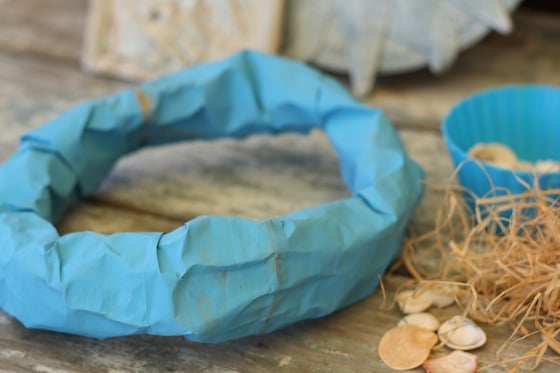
[(502, 260)]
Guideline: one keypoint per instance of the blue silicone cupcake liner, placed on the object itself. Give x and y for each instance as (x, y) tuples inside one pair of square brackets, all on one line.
[(525, 118)]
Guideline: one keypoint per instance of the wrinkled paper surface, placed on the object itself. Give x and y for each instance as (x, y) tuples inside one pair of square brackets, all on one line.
[(215, 278)]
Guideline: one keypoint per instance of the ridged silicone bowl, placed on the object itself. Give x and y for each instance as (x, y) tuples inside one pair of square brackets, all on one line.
[(526, 118)]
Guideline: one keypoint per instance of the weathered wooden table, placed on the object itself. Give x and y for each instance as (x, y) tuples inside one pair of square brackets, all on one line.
[(159, 189)]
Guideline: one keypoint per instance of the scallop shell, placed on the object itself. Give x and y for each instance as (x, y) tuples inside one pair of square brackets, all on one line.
[(422, 319), (411, 301), (455, 362), (461, 333), (406, 346)]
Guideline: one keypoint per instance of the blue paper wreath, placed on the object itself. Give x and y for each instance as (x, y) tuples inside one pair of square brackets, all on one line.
[(216, 277)]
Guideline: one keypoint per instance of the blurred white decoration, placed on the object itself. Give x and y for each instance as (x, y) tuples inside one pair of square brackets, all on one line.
[(367, 37), (140, 39)]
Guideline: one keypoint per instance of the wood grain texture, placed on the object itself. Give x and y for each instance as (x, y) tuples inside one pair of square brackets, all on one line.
[(527, 55), (43, 28), (107, 219), (158, 189), (258, 177), (34, 91)]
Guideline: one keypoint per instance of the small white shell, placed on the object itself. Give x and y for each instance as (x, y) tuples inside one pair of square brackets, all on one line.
[(547, 166), (441, 297), (460, 333), (455, 362), (422, 319), (411, 301), (494, 153)]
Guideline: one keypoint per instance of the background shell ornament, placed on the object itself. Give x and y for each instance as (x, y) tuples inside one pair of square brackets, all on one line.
[(366, 37), (214, 278)]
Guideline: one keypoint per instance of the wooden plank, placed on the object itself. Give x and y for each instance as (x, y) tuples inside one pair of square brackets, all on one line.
[(47, 28), (529, 54), (243, 178), (344, 342), (428, 149), (106, 219), (33, 92), (257, 177)]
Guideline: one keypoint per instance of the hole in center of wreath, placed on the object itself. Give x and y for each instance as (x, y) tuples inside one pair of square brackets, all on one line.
[(160, 188)]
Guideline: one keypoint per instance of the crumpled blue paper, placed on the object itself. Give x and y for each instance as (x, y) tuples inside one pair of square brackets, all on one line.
[(215, 278)]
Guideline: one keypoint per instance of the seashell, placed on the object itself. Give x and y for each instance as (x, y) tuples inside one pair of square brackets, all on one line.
[(441, 296), (411, 301), (422, 319), (407, 346), (546, 166), (460, 333), (389, 36), (494, 153), (455, 362)]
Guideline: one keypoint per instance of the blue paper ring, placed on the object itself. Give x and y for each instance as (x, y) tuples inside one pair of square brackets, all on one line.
[(216, 277)]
